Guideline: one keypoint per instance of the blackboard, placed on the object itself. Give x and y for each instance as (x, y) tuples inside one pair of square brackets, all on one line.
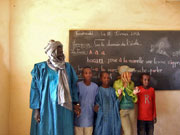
[(155, 52)]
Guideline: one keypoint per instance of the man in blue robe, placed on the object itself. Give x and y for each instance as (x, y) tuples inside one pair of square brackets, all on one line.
[(53, 92)]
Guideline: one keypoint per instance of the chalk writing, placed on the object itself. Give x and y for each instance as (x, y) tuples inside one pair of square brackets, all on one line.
[(176, 53), (96, 61), (79, 48), (118, 33), (99, 42), (112, 60), (121, 43), (139, 60), (84, 33), (135, 33), (159, 61), (124, 43), (96, 52), (161, 47), (174, 64)]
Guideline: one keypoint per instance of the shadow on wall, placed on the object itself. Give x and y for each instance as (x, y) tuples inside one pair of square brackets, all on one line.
[(4, 91), (3, 69)]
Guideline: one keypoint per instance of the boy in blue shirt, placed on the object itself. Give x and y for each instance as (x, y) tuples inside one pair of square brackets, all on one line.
[(87, 91), (107, 108)]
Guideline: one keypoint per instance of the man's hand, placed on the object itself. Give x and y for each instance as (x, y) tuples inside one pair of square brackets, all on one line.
[(96, 108), (77, 109), (37, 115)]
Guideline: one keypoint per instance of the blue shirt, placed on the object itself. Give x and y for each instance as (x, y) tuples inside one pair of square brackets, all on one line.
[(87, 96), (108, 118)]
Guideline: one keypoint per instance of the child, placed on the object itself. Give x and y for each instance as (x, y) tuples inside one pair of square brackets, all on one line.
[(146, 107), (125, 91), (87, 92), (107, 108)]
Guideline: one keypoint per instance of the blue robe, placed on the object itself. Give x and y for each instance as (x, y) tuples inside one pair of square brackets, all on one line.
[(54, 119), (108, 117)]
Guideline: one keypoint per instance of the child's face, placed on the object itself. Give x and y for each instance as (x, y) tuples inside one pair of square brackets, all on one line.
[(105, 79), (145, 80), (87, 74)]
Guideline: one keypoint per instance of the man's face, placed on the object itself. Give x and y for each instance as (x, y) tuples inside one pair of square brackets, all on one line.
[(60, 54)]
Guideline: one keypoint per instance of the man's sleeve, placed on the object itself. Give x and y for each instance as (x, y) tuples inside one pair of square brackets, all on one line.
[(74, 80), (34, 92)]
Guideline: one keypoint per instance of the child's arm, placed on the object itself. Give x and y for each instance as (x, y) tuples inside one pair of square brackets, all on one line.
[(136, 90), (138, 94), (76, 105), (120, 94), (154, 107), (97, 101), (77, 109), (96, 108), (118, 89)]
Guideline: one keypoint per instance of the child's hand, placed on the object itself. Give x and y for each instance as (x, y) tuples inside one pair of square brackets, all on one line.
[(155, 120), (37, 115), (77, 110), (120, 97), (96, 108), (125, 84), (136, 91), (120, 91)]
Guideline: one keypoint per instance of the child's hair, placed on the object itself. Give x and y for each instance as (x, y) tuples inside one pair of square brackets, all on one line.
[(103, 72), (85, 68), (141, 76)]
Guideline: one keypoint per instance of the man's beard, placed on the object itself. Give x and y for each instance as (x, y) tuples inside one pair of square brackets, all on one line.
[(61, 57)]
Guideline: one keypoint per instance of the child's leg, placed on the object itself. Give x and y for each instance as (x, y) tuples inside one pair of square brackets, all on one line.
[(133, 121), (78, 130), (149, 127), (88, 130), (141, 127), (125, 122)]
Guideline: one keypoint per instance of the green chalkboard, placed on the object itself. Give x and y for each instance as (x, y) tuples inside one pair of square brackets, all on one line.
[(156, 52)]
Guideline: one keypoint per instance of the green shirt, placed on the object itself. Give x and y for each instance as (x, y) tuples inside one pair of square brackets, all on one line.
[(128, 98)]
